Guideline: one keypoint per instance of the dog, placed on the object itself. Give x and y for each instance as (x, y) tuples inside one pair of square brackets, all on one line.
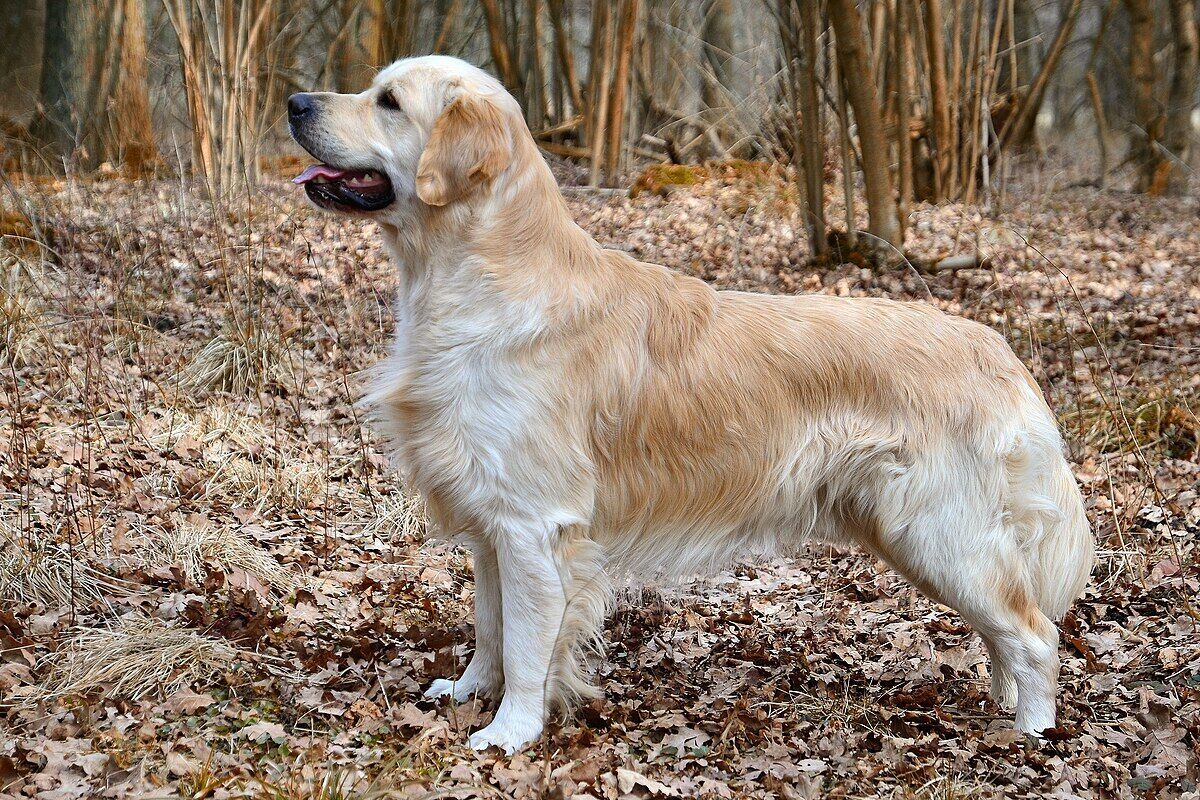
[(582, 418)]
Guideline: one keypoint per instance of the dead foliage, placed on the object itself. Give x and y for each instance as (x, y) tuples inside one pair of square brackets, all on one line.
[(190, 496)]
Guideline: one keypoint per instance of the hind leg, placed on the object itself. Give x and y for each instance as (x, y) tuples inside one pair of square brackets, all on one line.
[(1004, 685), (1029, 645), (588, 592), (981, 577)]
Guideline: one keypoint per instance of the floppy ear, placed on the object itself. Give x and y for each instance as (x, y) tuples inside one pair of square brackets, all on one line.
[(470, 144)]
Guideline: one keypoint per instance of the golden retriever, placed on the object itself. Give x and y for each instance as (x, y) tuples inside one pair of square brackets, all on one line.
[(580, 416)]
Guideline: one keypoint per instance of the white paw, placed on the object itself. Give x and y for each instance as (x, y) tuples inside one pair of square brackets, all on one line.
[(1034, 721), (508, 733), (460, 690)]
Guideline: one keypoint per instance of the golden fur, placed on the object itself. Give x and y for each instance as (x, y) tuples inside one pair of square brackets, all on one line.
[(581, 416)]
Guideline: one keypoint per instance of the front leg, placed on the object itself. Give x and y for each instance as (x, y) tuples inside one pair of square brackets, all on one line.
[(533, 602), (484, 674)]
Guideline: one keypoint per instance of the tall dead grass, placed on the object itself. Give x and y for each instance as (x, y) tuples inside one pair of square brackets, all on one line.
[(21, 308), (191, 544), (134, 658), (38, 567)]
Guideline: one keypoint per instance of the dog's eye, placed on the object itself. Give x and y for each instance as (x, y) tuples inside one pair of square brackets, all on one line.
[(386, 100)]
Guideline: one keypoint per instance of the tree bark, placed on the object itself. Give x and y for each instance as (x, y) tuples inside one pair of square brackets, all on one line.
[(56, 125), (618, 107), (801, 19), (1021, 128), (1147, 117), (498, 41), (93, 103), (566, 61), (903, 137), (943, 143), (599, 84), (714, 78), (1178, 136), (859, 81), (132, 130)]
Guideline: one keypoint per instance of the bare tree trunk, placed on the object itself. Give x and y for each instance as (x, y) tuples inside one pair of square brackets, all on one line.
[(599, 83), (1094, 93), (802, 19), (535, 72), (839, 88), (362, 43), (903, 137), (94, 104), (498, 41), (1178, 136), (229, 81), (714, 78), (566, 61), (618, 107), (1021, 127), (132, 132), (56, 124), (943, 143), (1147, 119), (860, 89)]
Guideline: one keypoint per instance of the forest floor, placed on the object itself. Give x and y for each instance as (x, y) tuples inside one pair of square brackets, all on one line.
[(212, 584)]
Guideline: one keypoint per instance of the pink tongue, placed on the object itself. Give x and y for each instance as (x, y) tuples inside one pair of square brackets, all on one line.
[(323, 170)]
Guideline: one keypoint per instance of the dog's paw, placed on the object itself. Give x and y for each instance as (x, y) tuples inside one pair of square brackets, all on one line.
[(507, 732), (460, 690)]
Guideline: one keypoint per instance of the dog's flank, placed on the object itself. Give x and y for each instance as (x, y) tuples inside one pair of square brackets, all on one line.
[(582, 416)]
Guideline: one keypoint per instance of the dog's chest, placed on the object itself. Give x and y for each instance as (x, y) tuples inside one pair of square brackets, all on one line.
[(464, 412)]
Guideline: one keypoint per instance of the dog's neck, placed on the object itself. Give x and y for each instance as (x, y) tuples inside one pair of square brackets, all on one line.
[(517, 235)]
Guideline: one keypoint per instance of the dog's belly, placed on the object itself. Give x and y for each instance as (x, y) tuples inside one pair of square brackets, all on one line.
[(753, 495)]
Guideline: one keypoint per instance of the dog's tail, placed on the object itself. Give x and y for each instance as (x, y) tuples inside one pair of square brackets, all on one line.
[(1047, 513)]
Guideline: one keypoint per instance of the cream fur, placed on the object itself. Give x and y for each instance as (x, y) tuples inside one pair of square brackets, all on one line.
[(582, 417)]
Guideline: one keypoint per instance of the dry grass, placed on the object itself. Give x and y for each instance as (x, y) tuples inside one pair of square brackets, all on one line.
[(133, 659), (279, 482), (243, 463), (1159, 420), (21, 312), (335, 783), (421, 760), (950, 787), (398, 516), (191, 544), (37, 569), (215, 423), (243, 357)]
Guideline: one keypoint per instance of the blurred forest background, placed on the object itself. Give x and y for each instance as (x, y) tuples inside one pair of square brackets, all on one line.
[(927, 100)]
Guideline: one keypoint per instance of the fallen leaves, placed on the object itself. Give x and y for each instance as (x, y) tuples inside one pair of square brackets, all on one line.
[(235, 596)]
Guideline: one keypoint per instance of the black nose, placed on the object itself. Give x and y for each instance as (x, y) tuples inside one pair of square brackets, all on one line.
[(300, 106)]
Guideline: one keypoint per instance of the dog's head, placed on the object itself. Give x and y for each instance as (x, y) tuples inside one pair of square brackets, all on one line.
[(432, 130)]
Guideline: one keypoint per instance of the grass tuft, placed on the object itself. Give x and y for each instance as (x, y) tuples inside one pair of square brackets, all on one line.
[(21, 315), (133, 659), (36, 569), (190, 544), (242, 358), (257, 483), (398, 517), (1159, 420)]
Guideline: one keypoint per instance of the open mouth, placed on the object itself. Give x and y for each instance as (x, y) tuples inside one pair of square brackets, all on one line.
[(346, 189)]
